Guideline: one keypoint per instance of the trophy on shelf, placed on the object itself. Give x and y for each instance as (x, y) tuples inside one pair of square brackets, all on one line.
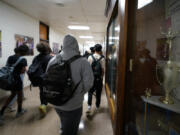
[(167, 73)]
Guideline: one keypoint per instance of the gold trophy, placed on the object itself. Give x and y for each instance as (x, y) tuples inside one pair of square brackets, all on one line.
[(168, 72)]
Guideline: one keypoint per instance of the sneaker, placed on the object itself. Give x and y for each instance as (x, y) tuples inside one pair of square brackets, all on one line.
[(97, 109), (89, 109), (60, 131), (43, 109), (18, 114), (1, 121), (10, 109)]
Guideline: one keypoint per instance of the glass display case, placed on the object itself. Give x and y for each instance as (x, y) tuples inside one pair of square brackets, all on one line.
[(153, 84), (111, 51)]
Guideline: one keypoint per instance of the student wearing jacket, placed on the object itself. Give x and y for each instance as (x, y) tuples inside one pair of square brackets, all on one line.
[(43, 57), (70, 113)]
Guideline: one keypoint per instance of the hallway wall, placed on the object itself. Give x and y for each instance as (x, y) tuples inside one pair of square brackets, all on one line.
[(14, 22), (55, 37)]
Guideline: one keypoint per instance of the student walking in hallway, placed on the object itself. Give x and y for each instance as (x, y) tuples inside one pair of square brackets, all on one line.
[(97, 63)]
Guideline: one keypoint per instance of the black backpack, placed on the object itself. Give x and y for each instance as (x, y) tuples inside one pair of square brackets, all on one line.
[(96, 66), (58, 84), (7, 80), (36, 71)]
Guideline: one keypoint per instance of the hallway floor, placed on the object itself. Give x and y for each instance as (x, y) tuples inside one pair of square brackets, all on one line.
[(31, 123)]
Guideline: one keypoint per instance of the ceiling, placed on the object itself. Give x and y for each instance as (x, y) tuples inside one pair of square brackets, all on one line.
[(68, 12)]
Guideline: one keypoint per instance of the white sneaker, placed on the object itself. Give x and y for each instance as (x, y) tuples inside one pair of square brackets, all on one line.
[(89, 109), (10, 109), (60, 131), (97, 109)]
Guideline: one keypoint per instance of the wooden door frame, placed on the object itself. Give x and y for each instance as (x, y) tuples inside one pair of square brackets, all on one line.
[(122, 11), (130, 42), (47, 27), (113, 13), (122, 61)]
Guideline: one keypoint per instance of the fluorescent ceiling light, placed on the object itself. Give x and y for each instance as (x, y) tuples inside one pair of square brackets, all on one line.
[(89, 37), (111, 42), (78, 27), (117, 28), (115, 38), (143, 3), (90, 42)]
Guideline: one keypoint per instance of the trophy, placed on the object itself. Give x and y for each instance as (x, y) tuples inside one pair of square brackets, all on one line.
[(167, 73)]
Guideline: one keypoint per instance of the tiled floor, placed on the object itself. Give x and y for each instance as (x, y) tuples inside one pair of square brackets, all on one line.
[(31, 123)]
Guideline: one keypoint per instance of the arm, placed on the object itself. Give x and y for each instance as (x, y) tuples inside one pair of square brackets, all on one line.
[(7, 62), (87, 75), (103, 66), (90, 59), (24, 69), (24, 65)]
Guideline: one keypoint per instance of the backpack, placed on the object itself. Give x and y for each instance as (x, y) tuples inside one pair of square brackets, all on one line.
[(96, 66), (58, 84), (36, 71), (7, 80)]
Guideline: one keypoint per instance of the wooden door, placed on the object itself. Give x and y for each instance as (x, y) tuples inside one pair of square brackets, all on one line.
[(44, 32)]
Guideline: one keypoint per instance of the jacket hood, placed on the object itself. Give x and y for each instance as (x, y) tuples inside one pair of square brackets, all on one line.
[(70, 43), (70, 47)]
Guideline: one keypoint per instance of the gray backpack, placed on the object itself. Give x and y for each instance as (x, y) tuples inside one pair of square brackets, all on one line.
[(7, 80)]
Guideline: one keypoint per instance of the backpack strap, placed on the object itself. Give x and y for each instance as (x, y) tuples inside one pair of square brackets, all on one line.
[(17, 62), (100, 58), (93, 57), (74, 58)]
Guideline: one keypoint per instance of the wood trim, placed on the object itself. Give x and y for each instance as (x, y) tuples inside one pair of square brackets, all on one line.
[(111, 102), (131, 38), (120, 8), (110, 4), (121, 74), (113, 13)]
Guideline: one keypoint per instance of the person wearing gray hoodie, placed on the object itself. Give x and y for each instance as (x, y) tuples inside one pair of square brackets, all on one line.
[(70, 113)]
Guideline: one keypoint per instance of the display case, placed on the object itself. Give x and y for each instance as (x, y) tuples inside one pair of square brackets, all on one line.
[(112, 45), (143, 66), (152, 85)]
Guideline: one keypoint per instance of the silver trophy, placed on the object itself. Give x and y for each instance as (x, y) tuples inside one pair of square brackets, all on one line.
[(167, 72)]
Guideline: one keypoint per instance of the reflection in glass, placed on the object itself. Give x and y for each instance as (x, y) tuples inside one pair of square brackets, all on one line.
[(148, 115), (112, 56)]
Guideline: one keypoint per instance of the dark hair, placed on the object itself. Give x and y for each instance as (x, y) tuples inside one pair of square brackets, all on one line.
[(98, 48), (43, 48), (16, 50), (22, 50), (92, 49)]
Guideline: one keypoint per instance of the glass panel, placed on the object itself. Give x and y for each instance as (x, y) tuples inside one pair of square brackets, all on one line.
[(154, 90), (112, 56)]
